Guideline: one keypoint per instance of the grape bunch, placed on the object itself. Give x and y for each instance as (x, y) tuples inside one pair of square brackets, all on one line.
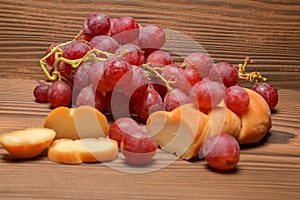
[(119, 67)]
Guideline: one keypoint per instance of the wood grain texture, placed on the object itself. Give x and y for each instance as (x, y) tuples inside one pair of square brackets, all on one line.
[(267, 31), (269, 169)]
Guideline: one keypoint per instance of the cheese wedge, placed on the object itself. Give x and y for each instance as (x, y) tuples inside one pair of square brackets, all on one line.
[(27, 143), (86, 150), (75, 123)]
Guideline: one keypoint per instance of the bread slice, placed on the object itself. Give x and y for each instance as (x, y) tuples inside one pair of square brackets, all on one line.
[(87, 150), (27, 143), (256, 121)]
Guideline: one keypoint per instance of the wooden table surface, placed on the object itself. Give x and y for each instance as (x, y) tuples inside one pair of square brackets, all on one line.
[(266, 30)]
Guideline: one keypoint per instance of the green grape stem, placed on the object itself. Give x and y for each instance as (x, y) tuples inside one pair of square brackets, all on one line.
[(58, 52), (154, 71), (252, 76)]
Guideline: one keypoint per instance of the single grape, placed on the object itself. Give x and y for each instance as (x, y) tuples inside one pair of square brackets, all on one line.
[(237, 99), (122, 126), (175, 98), (138, 147), (65, 69), (151, 38), (81, 76), (96, 73), (134, 82), (118, 104), (200, 61), (160, 58), (124, 29), (171, 73), (40, 92), (114, 68), (187, 78), (207, 94), (96, 24), (104, 43), (268, 92), (88, 96), (85, 38), (75, 50), (225, 73), (133, 54), (51, 58), (149, 102), (221, 152), (59, 94)]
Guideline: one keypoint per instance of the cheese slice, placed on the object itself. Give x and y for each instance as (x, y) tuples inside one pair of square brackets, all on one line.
[(75, 123)]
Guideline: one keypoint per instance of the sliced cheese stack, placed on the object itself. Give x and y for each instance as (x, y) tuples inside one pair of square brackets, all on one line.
[(184, 130), (81, 136)]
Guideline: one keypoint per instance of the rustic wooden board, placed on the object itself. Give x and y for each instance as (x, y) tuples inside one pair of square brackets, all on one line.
[(270, 168), (266, 30)]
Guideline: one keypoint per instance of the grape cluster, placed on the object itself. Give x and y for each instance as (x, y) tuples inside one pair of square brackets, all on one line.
[(119, 66)]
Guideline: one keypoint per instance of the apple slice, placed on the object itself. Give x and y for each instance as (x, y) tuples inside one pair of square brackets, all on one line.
[(75, 123), (85, 150), (27, 143)]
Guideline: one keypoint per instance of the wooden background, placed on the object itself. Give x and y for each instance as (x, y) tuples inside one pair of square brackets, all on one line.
[(266, 30)]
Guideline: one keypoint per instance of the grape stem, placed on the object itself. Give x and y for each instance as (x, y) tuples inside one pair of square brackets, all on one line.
[(154, 70), (252, 76), (58, 52)]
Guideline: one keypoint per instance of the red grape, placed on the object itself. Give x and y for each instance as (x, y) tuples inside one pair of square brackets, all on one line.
[(160, 58), (237, 99), (187, 78), (96, 73), (122, 126), (88, 96), (85, 38), (207, 94), (149, 102), (104, 43), (268, 92), (222, 152), (124, 29), (40, 92), (171, 73), (115, 67), (59, 94), (65, 69), (138, 147), (51, 58), (96, 24), (132, 53), (81, 76), (75, 50), (225, 73), (151, 38), (134, 82), (200, 61), (175, 98)]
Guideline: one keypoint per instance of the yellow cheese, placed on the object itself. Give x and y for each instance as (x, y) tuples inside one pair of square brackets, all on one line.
[(27, 143), (86, 150), (75, 123)]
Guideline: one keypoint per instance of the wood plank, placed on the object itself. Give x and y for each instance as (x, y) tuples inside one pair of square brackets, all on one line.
[(267, 31), (270, 168)]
